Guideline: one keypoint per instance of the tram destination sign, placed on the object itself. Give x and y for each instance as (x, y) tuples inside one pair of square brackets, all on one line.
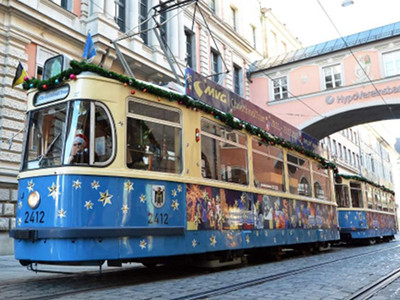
[(211, 93)]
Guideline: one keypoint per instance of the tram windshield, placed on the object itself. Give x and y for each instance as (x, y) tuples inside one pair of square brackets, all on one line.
[(70, 133)]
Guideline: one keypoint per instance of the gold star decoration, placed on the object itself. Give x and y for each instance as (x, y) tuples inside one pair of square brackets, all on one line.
[(88, 205), (105, 198), (19, 204), (274, 240), (179, 188), (346, 216), (213, 240), (62, 213), (174, 193), (77, 184), (19, 221), (266, 233), (30, 186), (125, 208), (143, 198), (53, 191), (143, 244), (95, 185), (175, 205), (247, 239), (194, 243), (128, 186)]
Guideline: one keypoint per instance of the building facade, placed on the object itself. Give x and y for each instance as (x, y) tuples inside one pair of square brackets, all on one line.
[(157, 40), (334, 85)]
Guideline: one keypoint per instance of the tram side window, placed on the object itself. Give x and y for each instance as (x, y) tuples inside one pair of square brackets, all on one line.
[(299, 175), (268, 166), (342, 195), (103, 140), (153, 138), (45, 137), (321, 182), (224, 153), (378, 200), (78, 137), (356, 195), (370, 199)]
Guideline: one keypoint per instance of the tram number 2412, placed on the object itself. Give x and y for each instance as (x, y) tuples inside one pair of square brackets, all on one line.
[(158, 218), (34, 217)]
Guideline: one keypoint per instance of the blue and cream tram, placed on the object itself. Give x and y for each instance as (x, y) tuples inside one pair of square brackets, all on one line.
[(120, 170), (366, 211)]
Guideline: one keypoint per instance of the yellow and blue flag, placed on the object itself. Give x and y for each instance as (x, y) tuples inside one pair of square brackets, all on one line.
[(19, 75), (90, 50)]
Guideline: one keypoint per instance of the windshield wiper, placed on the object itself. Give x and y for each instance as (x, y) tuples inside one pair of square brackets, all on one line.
[(49, 147)]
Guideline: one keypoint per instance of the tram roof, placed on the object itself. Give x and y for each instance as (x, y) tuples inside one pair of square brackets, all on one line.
[(353, 40)]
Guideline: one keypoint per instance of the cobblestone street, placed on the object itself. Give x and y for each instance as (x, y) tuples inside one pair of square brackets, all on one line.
[(342, 271)]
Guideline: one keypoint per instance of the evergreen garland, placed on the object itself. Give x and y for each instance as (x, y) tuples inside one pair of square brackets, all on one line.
[(227, 118), (365, 180)]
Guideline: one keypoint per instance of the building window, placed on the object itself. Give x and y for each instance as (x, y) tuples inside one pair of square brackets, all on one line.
[(215, 65), (280, 88), (143, 22), (213, 6), (190, 47), (120, 14), (237, 80), (332, 77), (391, 62), (66, 4), (254, 35), (234, 18)]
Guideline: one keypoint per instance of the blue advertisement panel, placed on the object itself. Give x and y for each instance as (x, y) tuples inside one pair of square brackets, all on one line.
[(200, 88)]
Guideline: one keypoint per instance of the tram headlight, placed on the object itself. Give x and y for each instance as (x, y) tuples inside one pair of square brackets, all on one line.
[(34, 199)]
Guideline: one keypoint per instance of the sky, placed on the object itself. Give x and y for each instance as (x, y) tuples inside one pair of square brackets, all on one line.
[(314, 21)]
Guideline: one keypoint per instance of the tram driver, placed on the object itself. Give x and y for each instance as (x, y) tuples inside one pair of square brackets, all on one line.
[(79, 152)]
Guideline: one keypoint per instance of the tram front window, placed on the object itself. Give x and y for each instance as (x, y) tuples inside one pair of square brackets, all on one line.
[(45, 138), (86, 138)]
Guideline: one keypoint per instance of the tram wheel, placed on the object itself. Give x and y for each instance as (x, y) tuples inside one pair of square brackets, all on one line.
[(149, 265), (25, 262)]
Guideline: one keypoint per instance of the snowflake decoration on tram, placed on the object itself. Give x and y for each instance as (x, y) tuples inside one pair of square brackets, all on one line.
[(30, 186), (175, 205), (125, 208), (179, 188), (62, 213), (53, 191), (142, 198), (77, 184), (19, 221), (143, 244), (95, 185), (174, 193), (213, 240), (88, 205), (194, 243), (128, 186)]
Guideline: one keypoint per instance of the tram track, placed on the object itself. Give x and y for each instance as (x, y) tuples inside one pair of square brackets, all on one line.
[(373, 288), (247, 284), (81, 283)]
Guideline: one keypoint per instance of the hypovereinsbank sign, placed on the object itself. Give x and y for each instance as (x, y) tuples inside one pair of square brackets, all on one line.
[(347, 99)]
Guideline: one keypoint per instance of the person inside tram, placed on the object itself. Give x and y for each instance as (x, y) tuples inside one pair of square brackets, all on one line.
[(79, 152)]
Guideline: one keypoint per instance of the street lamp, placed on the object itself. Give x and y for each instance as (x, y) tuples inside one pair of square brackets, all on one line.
[(346, 3)]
